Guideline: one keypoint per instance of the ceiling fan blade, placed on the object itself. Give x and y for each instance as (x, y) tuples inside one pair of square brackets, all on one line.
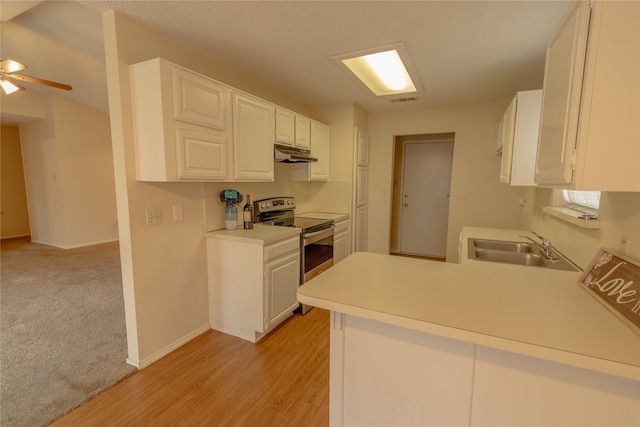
[(11, 66), (41, 81)]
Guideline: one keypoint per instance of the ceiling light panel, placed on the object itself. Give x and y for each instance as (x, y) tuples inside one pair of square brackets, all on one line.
[(385, 70)]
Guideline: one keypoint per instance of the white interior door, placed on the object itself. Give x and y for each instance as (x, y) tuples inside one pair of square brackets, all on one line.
[(425, 197)]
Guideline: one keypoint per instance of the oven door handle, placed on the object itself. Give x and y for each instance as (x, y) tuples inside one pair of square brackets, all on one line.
[(318, 235)]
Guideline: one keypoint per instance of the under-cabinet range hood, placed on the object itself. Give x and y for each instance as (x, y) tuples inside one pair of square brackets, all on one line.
[(287, 154)]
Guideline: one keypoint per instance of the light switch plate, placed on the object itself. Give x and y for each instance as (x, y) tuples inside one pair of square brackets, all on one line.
[(177, 212)]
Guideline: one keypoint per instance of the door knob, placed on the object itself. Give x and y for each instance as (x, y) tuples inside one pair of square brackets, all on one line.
[(405, 204)]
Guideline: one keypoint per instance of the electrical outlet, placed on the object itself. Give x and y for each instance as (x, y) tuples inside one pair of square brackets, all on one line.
[(624, 245), (153, 216)]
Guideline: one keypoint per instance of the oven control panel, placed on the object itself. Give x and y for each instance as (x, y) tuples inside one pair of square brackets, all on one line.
[(274, 204)]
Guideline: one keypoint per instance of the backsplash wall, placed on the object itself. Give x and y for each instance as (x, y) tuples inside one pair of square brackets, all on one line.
[(619, 216), (331, 196)]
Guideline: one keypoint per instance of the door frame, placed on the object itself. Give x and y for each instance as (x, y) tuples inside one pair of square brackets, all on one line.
[(398, 174)]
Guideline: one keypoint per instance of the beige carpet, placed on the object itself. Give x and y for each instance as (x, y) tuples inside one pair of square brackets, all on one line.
[(62, 329)]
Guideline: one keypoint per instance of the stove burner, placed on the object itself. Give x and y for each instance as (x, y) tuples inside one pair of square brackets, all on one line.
[(279, 211)]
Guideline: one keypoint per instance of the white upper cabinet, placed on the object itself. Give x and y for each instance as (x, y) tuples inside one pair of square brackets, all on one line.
[(320, 143), (253, 138), (199, 100), (182, 124), (293, 129), (285, 126), (303, 132), (589, 134), (320, 136), (519, 135), (189, 127)]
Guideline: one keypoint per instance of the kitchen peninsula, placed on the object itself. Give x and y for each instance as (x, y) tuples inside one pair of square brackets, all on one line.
[(418, 342)]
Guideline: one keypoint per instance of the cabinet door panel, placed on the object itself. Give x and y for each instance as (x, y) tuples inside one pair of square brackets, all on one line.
[(282, 281), (507, 128), (362, 183), (362, 149), (340, 248), (303, 132), (200, 155), (361, 229), (561, 98), (198, 100), (253, 139), (320, 140), (285, 126)]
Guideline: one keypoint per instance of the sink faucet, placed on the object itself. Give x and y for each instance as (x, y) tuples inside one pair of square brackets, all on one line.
[(546, 245), (546, 250)]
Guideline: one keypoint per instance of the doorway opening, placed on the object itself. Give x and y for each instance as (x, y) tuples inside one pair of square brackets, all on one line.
[(421, 189)]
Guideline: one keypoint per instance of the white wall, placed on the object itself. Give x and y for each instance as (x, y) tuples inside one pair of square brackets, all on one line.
[(258, 190), (22, 106), (69, 175), (164, 266), (14, 219), (619, 216), (477, 197)]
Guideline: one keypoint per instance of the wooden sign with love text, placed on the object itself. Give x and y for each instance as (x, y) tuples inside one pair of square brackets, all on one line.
[(614, 280)]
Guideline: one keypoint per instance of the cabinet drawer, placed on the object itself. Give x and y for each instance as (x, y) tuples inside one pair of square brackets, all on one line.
[(341, 227), (281, 248)]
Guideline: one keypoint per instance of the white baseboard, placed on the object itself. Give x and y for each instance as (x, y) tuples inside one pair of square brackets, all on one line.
[(168, 349), (75, 246)]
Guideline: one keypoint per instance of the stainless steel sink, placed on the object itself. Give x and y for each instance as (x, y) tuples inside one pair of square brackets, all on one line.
[(519, 253), (501, 245)]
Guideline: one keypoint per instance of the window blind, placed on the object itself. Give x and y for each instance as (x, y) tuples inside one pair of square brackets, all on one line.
[(588, 199)]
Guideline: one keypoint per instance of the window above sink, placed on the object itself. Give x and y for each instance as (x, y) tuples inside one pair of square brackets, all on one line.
[(576, 207)]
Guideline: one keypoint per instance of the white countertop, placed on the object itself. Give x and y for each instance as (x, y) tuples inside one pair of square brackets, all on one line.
[(336, 217), (528, 310), (260, 234)]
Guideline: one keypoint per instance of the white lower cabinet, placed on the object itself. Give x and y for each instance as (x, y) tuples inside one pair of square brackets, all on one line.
[(340, 241), (252, 286), (282, 277), (383, 375)]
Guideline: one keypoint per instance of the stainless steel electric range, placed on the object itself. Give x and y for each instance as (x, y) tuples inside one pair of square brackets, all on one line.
[(316, 237)]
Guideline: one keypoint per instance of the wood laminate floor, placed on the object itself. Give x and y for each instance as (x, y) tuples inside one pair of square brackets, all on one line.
[(220, 380)]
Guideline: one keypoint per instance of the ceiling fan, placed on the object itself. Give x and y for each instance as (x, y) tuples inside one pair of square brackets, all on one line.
[(8, 78)]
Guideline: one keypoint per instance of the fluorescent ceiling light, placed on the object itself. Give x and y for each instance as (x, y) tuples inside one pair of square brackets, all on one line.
[(384, 70)]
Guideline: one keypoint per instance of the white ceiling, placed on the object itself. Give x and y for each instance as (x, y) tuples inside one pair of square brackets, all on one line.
[(464, 51)]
